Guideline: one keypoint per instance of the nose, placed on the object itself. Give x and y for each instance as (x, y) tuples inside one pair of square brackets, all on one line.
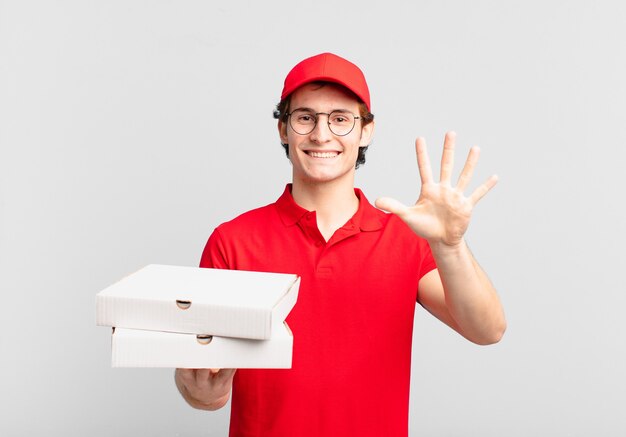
[(321, 132)]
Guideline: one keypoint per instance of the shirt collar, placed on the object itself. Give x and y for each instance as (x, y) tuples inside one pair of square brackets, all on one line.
[(367, 218)]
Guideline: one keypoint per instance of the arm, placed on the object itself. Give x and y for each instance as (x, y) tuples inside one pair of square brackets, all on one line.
[(458, 292), (205, 389)]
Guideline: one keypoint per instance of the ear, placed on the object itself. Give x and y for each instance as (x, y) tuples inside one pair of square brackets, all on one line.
[(367, 133), (282, 132)]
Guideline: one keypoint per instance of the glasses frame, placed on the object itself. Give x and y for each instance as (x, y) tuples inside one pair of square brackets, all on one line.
[(327, 114)]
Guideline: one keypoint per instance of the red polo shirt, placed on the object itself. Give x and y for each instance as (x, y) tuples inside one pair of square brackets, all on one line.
[(352, 323)]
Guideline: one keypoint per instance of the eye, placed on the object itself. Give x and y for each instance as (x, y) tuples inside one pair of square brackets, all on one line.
[(303, 117), (341, 118)]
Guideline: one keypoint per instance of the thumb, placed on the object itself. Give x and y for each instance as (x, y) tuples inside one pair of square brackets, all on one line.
[(390, 205)]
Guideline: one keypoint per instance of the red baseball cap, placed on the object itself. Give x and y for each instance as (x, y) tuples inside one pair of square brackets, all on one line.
[(328, 67)]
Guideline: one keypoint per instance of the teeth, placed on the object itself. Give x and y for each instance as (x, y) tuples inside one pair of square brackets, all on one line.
[(323, 154)]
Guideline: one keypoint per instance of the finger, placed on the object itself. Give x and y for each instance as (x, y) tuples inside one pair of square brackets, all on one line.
[(214, 371), (202, 375), (423, 162), (447, 157), (390, 205), (224, 376), (228, 373), (483, 189), (186, 375), (468, 169)]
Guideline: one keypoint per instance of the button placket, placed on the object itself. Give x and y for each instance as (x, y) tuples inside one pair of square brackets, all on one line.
[(323, 269)]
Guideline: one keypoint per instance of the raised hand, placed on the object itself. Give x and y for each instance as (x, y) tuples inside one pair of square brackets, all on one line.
[(442, 212)]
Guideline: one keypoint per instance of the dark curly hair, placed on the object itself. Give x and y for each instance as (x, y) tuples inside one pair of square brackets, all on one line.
[(282, 110)]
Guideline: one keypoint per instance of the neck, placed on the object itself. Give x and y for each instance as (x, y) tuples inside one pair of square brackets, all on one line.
[(334, 203)]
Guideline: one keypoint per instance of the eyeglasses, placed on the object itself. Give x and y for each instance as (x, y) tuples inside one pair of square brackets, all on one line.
[(340, 123)]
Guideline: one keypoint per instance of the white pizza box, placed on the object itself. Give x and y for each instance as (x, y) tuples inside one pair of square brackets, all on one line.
[(194, 300), (140, 348)]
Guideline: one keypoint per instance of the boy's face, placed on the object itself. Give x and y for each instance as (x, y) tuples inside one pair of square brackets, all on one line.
[(321, 156)]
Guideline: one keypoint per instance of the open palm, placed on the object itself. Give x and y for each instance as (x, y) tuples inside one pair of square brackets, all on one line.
[(442, 212)]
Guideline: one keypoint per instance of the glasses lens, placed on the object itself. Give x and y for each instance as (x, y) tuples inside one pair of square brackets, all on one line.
[(341, 123), (302, 121)]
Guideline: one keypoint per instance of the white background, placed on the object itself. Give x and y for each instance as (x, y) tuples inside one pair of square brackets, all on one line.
[(130, 129)]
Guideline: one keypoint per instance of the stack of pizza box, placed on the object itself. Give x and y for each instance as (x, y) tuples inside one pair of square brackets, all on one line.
[(190, 317)]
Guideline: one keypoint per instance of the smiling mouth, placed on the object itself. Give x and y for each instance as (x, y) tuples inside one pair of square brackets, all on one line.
[(322, 154)]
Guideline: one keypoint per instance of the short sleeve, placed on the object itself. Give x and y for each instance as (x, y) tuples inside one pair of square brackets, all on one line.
[(428, 261)]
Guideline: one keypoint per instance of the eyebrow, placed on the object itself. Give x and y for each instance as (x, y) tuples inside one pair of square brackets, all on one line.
[(314, 111)]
